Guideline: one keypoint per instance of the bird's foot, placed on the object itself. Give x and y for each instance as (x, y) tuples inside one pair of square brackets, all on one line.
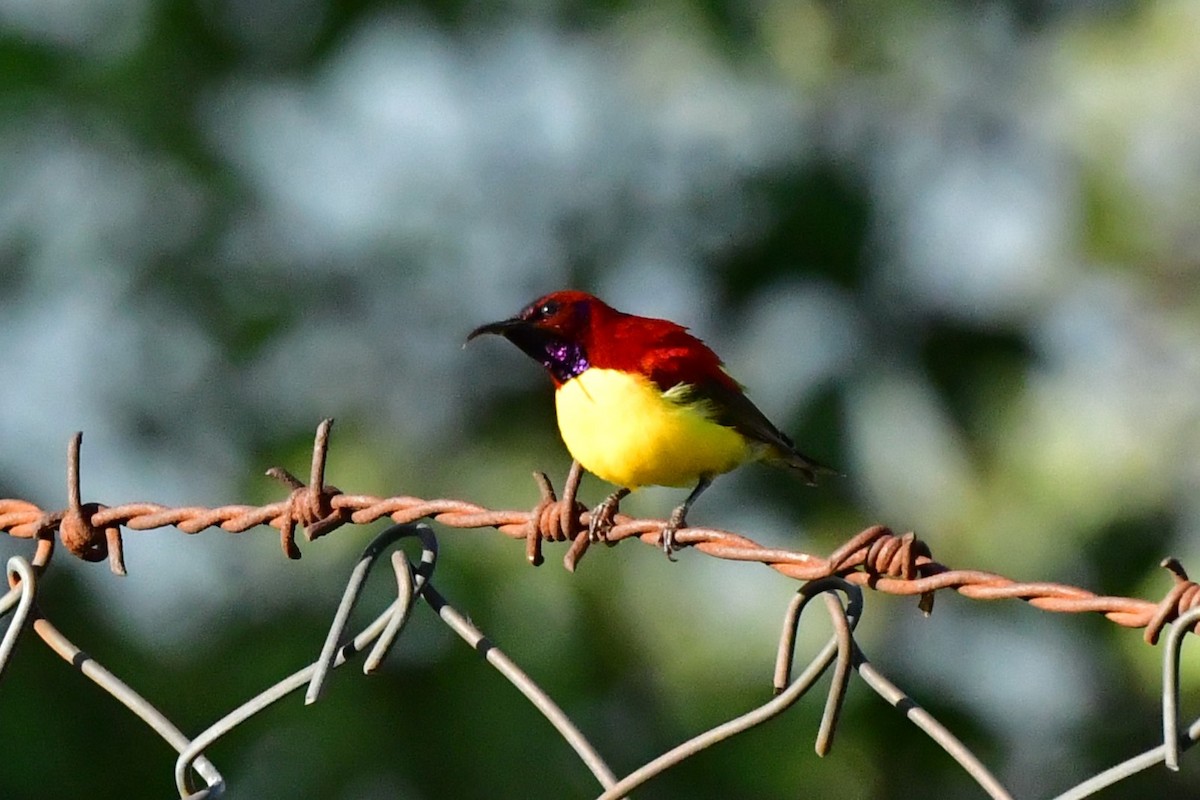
[(602, 516), (677, 520)]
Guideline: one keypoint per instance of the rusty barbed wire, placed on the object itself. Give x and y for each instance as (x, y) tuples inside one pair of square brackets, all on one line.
[(876, 557), (842, 652)]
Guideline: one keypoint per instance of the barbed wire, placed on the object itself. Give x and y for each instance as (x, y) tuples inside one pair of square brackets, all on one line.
[(875, 558)]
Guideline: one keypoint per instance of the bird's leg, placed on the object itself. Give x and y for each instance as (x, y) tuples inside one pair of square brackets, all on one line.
[(602, 516), (679, 517)]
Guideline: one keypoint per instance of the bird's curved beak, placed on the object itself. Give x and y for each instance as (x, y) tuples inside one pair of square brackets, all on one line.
[(530, 338), (502, 328)]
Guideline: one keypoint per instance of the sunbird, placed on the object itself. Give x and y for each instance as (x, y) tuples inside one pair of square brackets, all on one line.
[(642, 402)]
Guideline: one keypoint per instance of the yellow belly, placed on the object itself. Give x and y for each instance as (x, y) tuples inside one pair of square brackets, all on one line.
[(623, 429)]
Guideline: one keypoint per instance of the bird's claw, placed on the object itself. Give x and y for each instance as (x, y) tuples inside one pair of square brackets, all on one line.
[(667, 536), (602, 516), (597, 529)]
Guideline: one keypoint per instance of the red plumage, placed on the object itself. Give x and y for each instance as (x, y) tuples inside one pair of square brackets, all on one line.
[(659, 349)]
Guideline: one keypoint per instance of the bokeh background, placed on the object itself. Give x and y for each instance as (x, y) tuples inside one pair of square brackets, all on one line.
[(952, 247)]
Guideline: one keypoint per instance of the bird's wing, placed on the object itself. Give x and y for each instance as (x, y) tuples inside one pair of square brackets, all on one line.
[(731, 407), (680, 359)]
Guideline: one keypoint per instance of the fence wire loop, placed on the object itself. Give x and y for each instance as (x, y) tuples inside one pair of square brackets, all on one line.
[(1172, 654), (408, 586), (22, 581), (840, 646), (380, 627), (845, 618), (791, 621), (406, 593)]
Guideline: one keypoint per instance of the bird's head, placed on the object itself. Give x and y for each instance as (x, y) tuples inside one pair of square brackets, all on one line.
[(553, 330)]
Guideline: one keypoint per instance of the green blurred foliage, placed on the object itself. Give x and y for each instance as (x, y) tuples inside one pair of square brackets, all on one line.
[(1018, 448)]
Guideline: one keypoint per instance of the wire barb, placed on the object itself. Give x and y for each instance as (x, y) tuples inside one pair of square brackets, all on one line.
[(311, 506), (1183, 597), (76, 529)]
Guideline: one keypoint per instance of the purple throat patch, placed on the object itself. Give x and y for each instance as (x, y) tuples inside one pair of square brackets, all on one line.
[(565, 360)]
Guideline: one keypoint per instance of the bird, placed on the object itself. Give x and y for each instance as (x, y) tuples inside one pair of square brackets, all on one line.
[(642, 402)]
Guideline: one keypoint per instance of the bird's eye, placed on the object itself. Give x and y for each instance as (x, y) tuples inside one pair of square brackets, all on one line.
[(548, 309)]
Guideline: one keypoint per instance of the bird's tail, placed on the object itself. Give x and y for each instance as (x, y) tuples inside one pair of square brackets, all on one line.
[(809, 468)]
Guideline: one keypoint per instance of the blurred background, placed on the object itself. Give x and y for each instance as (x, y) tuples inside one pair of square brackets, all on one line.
[(951, 247)]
